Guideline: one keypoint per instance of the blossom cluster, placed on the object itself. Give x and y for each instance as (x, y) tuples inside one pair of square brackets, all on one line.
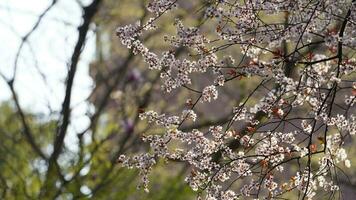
[(302, 111)]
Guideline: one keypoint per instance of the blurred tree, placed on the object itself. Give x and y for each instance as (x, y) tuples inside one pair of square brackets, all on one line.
[(38, 164)]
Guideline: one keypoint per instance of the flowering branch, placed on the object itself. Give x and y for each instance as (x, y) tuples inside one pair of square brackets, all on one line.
[(301, 52)]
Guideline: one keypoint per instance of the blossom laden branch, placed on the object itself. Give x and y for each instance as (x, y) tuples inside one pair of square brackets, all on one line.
[(293, 120)]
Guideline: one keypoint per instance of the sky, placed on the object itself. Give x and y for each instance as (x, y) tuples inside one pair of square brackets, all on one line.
[(52, 45)]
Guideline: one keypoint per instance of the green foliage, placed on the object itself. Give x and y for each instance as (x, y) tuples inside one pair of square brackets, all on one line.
[(20, 167), (22, 171)]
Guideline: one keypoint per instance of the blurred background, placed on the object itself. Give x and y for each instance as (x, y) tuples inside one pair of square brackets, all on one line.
[(62, 141), (39, 39)]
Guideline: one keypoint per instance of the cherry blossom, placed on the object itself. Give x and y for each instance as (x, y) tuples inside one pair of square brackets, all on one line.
[(302, 52)]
